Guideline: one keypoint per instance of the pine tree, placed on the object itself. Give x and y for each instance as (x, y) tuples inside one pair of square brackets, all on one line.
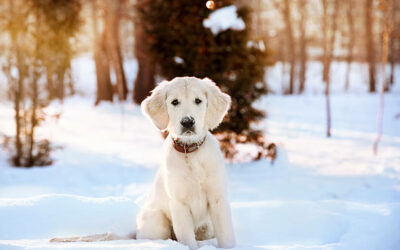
[(181, 46)]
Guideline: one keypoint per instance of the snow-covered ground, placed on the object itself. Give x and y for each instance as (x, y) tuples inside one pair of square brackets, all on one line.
[(320, 194)]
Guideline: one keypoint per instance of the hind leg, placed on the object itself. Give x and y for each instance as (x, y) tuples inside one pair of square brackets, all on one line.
[(153, 225)]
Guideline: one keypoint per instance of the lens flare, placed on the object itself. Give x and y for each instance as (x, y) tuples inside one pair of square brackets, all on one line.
[(210, 5)]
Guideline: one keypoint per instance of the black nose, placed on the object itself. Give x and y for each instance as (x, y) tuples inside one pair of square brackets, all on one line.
[(187, 122)]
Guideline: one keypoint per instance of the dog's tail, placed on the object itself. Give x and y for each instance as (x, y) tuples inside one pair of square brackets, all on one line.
[(95, 237)]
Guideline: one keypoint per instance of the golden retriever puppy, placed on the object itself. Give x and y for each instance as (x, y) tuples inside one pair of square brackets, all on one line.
[(189, 198)]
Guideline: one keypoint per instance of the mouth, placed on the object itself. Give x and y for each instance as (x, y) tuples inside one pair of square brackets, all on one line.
[(188, 132)]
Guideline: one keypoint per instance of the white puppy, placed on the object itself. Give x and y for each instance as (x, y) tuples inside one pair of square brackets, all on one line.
[(189, 196)]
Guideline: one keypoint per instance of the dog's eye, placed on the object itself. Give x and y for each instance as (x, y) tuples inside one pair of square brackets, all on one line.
[(175, 102), (197, 101)]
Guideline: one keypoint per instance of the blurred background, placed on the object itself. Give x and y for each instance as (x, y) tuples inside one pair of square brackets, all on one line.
[(312, 140)]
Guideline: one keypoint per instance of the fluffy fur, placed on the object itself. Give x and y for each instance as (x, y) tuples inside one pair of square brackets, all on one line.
[(189, 198)]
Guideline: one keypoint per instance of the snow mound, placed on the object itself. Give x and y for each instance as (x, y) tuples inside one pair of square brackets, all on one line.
[(224, 19), (61, 215)]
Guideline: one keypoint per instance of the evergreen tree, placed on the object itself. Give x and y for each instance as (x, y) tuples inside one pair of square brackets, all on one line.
[(182, 46)]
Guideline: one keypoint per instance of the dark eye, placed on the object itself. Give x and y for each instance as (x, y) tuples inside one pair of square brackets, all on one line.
[(197, 101), (175, 102)]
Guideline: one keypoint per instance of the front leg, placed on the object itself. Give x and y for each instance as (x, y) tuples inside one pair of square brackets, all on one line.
[(222, 220), (182, 223)]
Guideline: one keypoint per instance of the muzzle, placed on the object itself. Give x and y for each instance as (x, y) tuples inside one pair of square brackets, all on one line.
[(187, 123)]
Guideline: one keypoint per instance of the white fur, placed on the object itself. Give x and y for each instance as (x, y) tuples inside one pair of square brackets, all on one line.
[(189, 194)]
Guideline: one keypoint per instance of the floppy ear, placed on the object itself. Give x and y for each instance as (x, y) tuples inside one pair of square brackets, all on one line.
[(218, 104), (154, 106)]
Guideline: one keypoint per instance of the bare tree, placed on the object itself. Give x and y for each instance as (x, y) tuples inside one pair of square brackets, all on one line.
[(329, 26), (370, 44), (326, 65), (145, 78), (302, 4), (384, 6), (18, 88), (112, 10), (350, 44), (34, 100), (286, 14), (104, 88), (393, 38)]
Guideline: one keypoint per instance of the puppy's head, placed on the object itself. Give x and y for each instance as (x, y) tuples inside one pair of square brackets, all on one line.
[(187, 107)]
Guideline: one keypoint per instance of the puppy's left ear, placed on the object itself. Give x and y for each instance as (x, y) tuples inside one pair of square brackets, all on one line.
[(218, 103)]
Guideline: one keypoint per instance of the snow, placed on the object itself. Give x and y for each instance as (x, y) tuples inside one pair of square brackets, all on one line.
[(84, 72), (178, 60), (62, 212), (277, 77), (259, 45), (14, 72), (320, 193), (223, 19)]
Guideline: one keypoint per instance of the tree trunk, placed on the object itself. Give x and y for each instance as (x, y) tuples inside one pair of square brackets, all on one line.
[(392, 49), (333, 34), (350, 45), (370, 46), (33, 120), (49, 82), (59, 86), (17, 90), (112, 16), (385, 44), (70, 82), (382, 93), (286, 12), (17, 101), (391, 78), (104, 88), (303, 45), (34, 100), (325, 40), (328, 45), (145, 81), (325, 73)]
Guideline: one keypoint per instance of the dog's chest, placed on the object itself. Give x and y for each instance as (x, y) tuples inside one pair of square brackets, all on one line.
[(192, 178), (196, 169), (197, 188)]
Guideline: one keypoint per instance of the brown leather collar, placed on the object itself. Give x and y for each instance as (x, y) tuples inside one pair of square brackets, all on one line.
[(184, 148)]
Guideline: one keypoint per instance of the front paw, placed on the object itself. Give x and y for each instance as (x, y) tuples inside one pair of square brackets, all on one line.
[(227, 243), (193, 246)]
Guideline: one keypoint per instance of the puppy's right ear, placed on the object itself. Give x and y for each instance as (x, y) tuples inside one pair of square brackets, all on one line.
[(154, 106)]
